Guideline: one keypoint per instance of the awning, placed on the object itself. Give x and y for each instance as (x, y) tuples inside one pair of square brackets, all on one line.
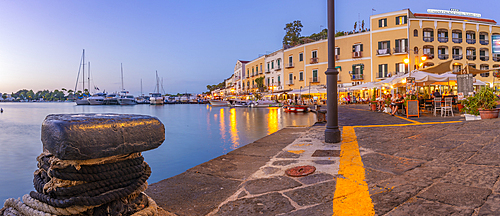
[(339, 67), (472, 70), (439, 68)]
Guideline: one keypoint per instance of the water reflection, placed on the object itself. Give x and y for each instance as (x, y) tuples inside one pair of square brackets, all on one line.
[(233, 129), (222, 126), (272, 120)]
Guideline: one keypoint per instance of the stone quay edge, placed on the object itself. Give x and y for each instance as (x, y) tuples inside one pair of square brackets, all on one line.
[(90, 136)]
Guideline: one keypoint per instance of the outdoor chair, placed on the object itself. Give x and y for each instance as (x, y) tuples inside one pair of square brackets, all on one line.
[(428, 104), (437, 105), (448, 107)]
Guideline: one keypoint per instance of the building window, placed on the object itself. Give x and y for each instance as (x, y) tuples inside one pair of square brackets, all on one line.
[(272, 65), (357, 71), (456, 36), (278, 63), (382, 71), (401, 46), (314, 54), (428, 35), (401, 68), (290, 78), (256, 70), (301, 76), (484, 67), (470, 37), (279, 82), (261, 68), (442, 35), (337, 50), (382, 22), (248, 73), (315, 76), (253, 71), (415, 33), (253, 83), (301, 56), (268, 80), (268, 67), (290, 59), (401, 20), (384, 48)]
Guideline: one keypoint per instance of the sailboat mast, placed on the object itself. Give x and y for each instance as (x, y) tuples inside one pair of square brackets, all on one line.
[(121, 65), (141, 88), (89, 79), (83, 70), (157, 83)]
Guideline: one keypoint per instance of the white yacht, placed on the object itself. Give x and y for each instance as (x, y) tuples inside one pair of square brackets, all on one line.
[(126, 99), (156, 99), (111, 99), (97, 99), (82, 101)]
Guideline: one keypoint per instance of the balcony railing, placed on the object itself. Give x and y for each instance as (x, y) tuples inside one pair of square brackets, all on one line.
[(457, 40), (443, 39), (428, 39), (443, 56), (429, 56), (314, 80), (383, 52), (484, 58), (268, 71), (398, 50), (382, 75), (357, 54), (253, 75), (289, 65), (457, 57), (278, 67), (484, 42), (471, 57), (356, 76), (290, 82), (313, 61), (496, 58), (471, 41)]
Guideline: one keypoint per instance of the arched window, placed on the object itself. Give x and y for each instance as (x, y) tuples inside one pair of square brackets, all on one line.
[(415, 33)]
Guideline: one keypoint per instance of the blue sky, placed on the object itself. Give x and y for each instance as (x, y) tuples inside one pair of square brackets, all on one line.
[(191, 43)]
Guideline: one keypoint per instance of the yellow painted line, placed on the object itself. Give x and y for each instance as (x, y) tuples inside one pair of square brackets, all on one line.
[(399, 125), (351, 192), (299, 145), (297, 151), (407, 119)]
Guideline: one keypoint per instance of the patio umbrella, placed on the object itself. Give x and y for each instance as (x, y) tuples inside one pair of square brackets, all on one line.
[(439, 68)]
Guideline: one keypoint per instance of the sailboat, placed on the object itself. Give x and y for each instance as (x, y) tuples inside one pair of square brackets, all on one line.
[(125, 98), (83, 100), (156, 98)]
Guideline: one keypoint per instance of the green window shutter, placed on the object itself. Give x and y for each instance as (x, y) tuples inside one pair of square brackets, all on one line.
[(460, 35), (379, 68), (278, 78), (432, 33), (397, 20), (361, 69), (315, 73), (406, 42), (353, 68), (379, 23), (389, 45), (405, 19), (446, 34), (361, 49), (353, 48), (379, 45), (397, 44)]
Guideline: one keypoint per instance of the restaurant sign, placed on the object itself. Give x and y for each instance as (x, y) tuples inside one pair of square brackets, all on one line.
[(495, 44), (464, 84), (454, 12)]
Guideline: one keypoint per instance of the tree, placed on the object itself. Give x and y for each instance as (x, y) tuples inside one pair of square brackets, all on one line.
[(260, 84), (355, 25), (363, 25), (292, 35)]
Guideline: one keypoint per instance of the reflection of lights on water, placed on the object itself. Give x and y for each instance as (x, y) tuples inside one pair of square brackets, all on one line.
[(272, 121), (222, 125), (233, 129)]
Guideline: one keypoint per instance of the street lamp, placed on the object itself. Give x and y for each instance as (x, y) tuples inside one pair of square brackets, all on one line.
[(301, 95), (332, 132)]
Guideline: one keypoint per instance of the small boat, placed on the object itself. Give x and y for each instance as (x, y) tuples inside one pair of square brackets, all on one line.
[(156, 99), (111, 99), (264, 103), (97, 99), (142, 100), (82, 101), (295, 108), (239, 103), (126, 99), (219, 103)]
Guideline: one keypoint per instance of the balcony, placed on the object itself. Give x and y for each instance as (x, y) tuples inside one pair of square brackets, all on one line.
[(313, 61), (496, 58), (400, 50), (356, 76), (289, 65), (457, 40), (357, 54), (471, 57), (457, 57), (429, 56), (290, 82), (314, 80), (443, 39), (428, 39), (278, 67), (260, 72), (471, 41), (267, 71), (337, 57), (484, 58), (383, 52), (253, 75), (484, 42), (443, 56), (382, 75)]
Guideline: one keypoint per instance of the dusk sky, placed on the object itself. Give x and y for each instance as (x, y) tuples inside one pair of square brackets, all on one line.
[(190, 43)]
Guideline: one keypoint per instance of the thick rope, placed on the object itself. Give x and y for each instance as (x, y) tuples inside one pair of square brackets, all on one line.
[(40, 206), (97, 176), (23, 208), (10, 212), (93, 201), (151, 210), (44, 163), (56, 163)]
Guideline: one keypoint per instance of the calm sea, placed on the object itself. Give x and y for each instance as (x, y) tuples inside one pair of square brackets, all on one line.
[(194, 134)]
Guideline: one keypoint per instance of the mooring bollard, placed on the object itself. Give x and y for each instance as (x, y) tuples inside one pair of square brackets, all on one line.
[(92, 165)]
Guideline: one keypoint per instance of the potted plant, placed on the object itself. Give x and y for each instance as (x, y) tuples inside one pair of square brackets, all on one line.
[(470, 108), (387, 105), (373, 101), (482, 104)]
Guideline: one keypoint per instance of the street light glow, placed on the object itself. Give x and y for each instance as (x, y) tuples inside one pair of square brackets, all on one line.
[(423, 58), (406, 60)]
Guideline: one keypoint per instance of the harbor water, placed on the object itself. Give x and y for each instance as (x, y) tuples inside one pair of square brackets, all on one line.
[(195, 133)]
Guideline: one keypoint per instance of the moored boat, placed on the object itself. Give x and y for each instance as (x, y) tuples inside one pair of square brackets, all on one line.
[(97, 99), (156, 99), (126, 99), (295, 108), (219, 103)]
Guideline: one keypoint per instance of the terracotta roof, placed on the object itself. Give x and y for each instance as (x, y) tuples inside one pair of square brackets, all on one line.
[(442, 16), (243, 61)]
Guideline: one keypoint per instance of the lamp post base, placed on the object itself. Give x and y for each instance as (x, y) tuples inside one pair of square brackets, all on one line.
[(332, 135)]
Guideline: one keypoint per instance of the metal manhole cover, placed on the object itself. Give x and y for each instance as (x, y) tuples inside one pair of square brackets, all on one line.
[(300, 171)]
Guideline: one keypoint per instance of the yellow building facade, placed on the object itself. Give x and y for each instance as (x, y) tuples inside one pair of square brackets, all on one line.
[(379, 53), (254, 69)]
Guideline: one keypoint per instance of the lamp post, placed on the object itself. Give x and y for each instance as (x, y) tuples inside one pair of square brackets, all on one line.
[(301, 95), (332, 132)]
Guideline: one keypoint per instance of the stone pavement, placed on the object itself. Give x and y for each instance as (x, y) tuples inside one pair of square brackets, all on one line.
[(385, 165)]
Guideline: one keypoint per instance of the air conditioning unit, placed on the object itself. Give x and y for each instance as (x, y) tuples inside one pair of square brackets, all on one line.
[(340, 85), (358, 83), (356, 54), (353, 83)]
